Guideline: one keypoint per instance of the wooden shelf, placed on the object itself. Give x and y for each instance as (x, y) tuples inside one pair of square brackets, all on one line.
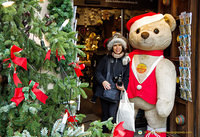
[(176, 59), (179, 100)]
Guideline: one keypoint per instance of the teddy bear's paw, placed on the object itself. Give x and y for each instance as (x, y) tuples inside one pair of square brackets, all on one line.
[(126, 60), (164, 107)]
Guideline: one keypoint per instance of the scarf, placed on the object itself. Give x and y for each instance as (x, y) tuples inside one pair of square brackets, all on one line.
[(144, 52), (117, 55)]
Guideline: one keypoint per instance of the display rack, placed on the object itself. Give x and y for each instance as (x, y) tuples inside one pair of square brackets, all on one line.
[(185, 56), (185, 99)]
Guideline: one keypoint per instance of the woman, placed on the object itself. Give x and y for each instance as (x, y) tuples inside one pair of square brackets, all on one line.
[(117, 46)]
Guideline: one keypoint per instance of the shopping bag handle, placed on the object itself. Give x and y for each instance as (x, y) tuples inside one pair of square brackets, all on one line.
[(124, 96)]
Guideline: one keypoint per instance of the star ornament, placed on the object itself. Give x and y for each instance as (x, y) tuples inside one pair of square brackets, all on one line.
[(8, 3)]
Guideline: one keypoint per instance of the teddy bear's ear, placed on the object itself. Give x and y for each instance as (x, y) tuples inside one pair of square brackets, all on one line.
[(169, 19)]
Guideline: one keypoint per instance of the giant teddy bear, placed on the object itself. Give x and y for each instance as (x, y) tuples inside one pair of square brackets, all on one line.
[(152, 80)]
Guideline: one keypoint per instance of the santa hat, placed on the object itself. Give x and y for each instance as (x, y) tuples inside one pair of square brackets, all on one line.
[(105, 42), (138, 21), (117, 38)]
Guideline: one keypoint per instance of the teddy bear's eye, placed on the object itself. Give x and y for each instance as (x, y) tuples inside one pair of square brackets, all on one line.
[(138, 30), (156, 31)]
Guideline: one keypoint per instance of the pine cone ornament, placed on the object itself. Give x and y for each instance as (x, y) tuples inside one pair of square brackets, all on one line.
[(48, 23), (24, 22), (47, 16)]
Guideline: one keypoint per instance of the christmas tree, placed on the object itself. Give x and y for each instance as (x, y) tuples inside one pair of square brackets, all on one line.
[(39, 79)]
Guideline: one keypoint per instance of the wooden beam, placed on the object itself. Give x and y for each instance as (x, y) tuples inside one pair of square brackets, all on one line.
[(137, 5), (193, 110), (196, 65)]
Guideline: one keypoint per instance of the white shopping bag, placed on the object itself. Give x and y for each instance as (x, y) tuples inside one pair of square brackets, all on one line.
[(126, 113)]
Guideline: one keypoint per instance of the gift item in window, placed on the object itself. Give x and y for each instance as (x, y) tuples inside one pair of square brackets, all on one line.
[(92, 41)]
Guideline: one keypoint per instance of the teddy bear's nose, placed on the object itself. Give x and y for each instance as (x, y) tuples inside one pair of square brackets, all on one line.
[(144, 35)]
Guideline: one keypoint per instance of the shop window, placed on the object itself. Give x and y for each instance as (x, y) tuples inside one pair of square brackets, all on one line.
[(94, 26)]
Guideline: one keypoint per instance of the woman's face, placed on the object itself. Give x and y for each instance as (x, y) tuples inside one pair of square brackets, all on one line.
[(117, 48)]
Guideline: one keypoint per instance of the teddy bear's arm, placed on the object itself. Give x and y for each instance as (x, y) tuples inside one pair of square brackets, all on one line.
[(166, 87)]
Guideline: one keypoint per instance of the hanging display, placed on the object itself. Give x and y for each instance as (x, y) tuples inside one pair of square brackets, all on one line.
[(185, 56)]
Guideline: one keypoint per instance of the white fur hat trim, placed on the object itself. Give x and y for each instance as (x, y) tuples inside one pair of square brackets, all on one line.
[(146, 20), (115, 41)]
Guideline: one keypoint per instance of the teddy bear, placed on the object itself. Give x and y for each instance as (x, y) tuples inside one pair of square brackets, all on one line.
[(152, 78)]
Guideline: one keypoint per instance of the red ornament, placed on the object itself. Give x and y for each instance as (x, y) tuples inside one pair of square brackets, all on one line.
[(70, 118), (59, 57)]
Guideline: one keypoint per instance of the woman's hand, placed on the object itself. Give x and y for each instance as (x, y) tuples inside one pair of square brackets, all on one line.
[(106, 85), (121, 88)]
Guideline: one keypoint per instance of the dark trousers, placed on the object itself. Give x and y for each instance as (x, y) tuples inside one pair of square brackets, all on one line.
[(108, 110)]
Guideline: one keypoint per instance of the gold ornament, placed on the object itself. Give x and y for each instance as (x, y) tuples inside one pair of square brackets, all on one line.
[(92, 41), (105, 15)]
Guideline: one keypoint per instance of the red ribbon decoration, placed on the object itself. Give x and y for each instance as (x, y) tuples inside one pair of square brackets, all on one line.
[(17, 60), (78, 69), (16, 79), (19, 95), (48, 55), (59, 57), (39, 94), (70, 118), (119, 131)]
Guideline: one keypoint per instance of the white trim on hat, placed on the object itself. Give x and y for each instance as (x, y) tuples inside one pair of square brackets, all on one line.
[(115, 41), (145, 20)]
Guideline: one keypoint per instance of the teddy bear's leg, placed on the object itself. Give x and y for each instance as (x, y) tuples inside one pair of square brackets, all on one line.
[(156, 124)]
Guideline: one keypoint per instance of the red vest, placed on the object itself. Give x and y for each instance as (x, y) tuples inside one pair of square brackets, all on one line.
[(147, 90)]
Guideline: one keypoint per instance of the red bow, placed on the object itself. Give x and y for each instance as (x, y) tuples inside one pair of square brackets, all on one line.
[(78, 68), (119, 131), (39, 94), (70, 118), (21, 93), (59, 57), (48, 55), (17, 60)]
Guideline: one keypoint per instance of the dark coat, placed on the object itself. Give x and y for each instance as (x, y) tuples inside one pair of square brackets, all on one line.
[(116, 68)]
